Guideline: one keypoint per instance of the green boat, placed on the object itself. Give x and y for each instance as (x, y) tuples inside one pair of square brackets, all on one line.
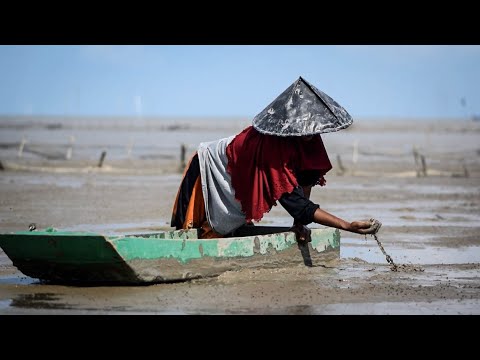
[(83, 257)]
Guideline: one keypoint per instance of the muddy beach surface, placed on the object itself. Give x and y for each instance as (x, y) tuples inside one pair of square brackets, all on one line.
[(430, 223)]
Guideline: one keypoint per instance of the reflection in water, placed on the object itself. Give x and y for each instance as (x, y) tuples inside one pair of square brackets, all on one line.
[(38, 301), (5, 303)]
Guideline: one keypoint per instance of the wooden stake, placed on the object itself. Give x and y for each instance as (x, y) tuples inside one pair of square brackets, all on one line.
[(102, 157), (424, 165), (416, 156), (22, 145), (465, 170), (355, 156), (129, 148), (68, 155), (340, 166), (183, 150)]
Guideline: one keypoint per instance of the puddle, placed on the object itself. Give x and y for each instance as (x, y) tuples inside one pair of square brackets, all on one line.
[(5, 303), (38, 301), (19, 279), (72, 311), (425, 255)]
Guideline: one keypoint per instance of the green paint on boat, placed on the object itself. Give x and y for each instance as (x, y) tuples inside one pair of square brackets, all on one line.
[(325, 240), (61, 247), (132, 248), (157, 257)]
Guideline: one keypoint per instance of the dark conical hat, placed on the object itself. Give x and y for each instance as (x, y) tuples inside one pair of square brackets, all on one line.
[(302, 110)]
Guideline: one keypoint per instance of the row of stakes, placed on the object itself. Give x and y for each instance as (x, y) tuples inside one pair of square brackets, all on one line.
[(68, 154), (420, 161)]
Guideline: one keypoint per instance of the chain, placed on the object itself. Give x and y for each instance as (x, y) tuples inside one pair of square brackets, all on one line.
[(393, 266)]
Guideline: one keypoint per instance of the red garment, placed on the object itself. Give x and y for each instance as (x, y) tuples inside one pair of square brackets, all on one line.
[(262, 167)]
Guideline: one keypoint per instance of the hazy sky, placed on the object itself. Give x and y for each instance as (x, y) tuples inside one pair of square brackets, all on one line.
[(156, 80)]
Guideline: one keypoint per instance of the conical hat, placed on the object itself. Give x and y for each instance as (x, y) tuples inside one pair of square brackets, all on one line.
[(302, 110)]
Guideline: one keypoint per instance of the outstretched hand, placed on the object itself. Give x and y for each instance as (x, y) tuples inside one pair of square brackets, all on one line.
[(365, 226)]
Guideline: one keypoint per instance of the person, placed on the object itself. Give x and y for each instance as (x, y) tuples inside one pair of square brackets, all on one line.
[(232, 182)]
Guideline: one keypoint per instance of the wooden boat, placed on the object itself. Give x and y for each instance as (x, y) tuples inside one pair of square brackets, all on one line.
[(69, 257)]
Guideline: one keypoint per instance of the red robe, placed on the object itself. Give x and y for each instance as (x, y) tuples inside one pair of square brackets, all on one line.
[(263, 167)]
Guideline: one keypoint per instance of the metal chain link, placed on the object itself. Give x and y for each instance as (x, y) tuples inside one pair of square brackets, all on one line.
[(393, 266)]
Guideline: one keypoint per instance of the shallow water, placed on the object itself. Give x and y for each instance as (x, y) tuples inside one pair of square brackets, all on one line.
[(18, 279), (400, 255)]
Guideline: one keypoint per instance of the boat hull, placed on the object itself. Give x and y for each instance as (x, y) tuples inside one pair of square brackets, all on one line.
[(160, 257)]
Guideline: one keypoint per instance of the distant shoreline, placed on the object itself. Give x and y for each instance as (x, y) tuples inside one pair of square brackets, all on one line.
[(213, 124), (21, 117)]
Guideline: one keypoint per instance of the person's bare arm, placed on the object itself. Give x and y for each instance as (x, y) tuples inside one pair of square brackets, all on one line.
[(322, 217), (359, 227)]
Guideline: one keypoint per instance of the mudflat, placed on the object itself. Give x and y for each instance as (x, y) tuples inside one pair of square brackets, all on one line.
[(430, 210)]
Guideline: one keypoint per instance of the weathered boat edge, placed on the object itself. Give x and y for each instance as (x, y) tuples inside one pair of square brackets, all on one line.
[(210, 257), (158, 257)]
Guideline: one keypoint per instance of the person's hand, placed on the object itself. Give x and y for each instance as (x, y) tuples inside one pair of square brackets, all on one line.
[(365, 226), (302, 233)]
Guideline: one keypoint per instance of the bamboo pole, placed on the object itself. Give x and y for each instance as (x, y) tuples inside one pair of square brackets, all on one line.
[(22, 145), (183, 150), (102, 158), (355, 156), (68, 155), (342, 169)]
